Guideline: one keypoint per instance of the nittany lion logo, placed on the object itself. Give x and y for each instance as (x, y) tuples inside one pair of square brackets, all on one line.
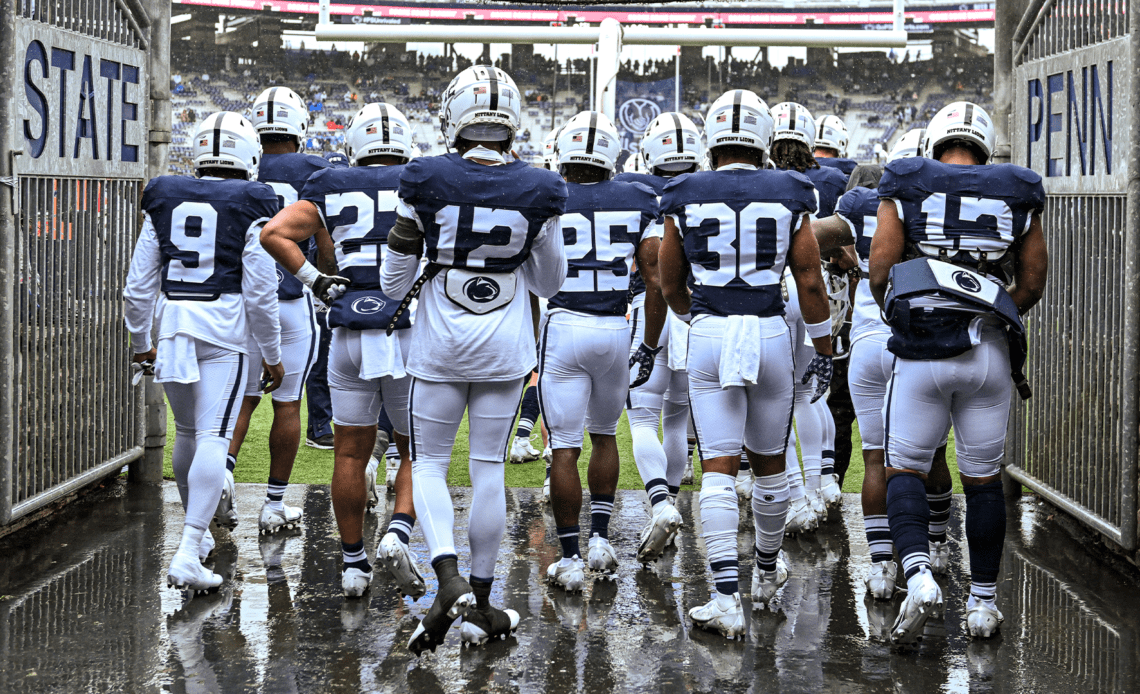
[(967, 282), (367, 305), (481, 290), (280, 276), (635, 115)]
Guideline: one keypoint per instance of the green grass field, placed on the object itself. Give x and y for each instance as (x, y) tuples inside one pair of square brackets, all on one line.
[(315, 467)]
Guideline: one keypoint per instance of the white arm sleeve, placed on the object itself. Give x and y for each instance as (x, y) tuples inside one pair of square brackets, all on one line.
[(141, 292), (398, 271), (545, 269), (259, 292)]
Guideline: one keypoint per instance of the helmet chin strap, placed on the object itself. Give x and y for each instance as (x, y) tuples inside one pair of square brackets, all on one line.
[(484, 154)]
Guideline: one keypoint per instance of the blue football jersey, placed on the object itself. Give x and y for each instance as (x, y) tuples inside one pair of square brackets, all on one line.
[(830, 184), (201, 227), (960, 209), (480, 217), (657, 184), (737, 227), (860, 207), (602, 228), (359, 209), (286, 175), (847, 166)]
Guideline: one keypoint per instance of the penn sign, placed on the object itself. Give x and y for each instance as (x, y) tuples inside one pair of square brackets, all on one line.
[(1071, 119), (80, 107)]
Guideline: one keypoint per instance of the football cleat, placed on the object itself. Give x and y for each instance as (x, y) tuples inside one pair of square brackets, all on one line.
[(480, 625), (321, 443), (687, 476), (744, 485), (601, 558), (830, 491), (272, 519), (548, 456), (658, 532), (226, 515), (206, 548), (881, 580), (395, 555), (391, 469), (188, 575), (982, 618), (546, 486), (522, 451), (801, 517), (765, 584), (728, 618), (921, 603), (568, 574), (939, 558), (355, 582), (452, 601), (370, 481), (817, 506)]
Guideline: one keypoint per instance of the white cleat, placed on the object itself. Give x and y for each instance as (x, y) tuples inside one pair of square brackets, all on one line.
[(400, 561), (765, 584), (921, 603), (721, 615), (832, 494), (801, 517), (548, 455), (744, 485), (355, 582), (881, 580), (568, 574), (658, 532), (272, 520), (370, 480), (601, 558), (687, 477), (546, 487), (391, 468), (982, 618), (226, 514), (207, 547), (815, 498), (939, 558), (187, 574), (522, 451)]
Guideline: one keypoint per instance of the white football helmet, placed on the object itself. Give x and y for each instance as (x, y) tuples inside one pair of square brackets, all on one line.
[(279, 111), (480, 95), (793, 122), (378, 130), (831, 132), (960, 120), (672, 142), (589, 138), (550, 151), (226, 140), (909, 145), (739, 117)]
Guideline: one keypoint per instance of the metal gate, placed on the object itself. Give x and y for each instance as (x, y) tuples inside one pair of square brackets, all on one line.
[(75, 141), (1073, 120)]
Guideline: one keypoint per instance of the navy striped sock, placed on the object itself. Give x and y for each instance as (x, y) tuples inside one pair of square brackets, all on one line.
[(355, 557), (827, 465), (401, 524), (231, 462), (657, 489), (601, 507), (568, 538)]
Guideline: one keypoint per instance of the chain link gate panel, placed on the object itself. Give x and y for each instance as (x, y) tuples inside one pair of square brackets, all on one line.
[(74, 105), (1072, 120)]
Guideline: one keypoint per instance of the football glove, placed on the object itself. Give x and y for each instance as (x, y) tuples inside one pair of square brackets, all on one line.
[(821, 368), (328, 288), (643, 359)]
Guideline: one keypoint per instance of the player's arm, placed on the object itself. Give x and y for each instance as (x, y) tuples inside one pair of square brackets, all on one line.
[(545, 270), (141, 291), (803, 260), (405, 246), (259, 293), (1032, 267), (672, 271), (887, 248), (296, 223), (655, 308), (832, 233)]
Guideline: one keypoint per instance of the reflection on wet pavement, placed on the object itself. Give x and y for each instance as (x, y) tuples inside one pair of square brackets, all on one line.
[(83, 607)]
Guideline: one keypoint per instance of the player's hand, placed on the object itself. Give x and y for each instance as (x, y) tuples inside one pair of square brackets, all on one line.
[(272, 376), (643, 359), (328, 288), (821, 368), (142, 364)]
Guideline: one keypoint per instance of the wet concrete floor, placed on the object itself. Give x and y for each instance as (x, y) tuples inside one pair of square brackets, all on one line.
[(84, 608)]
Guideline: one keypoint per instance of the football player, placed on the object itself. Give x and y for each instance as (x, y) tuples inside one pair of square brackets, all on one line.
[(737, 226), (831, 140), (199, 258), (957, 257), (349, 212), (281, 119), (583, 360), (491, 234), (671, 147)]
